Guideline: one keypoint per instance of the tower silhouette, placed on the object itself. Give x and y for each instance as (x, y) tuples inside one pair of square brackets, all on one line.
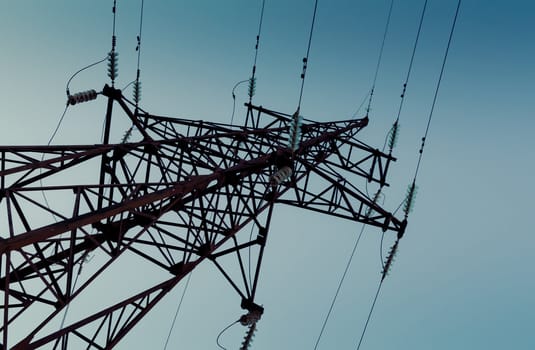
[(175, 193)]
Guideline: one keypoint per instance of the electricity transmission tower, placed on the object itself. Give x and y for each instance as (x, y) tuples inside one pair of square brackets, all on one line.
[(185, 191)]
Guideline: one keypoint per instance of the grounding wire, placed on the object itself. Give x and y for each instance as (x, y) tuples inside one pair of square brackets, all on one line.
[(348, 264), (372, 90), (177, 310), (223, 331), (305, 59)]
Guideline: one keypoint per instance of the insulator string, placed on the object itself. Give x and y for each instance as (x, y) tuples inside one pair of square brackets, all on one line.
[(412, 188), (252, 81), (112, 70), (137, 84)]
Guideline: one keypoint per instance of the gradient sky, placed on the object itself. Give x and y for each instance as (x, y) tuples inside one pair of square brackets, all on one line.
[(463, 278)]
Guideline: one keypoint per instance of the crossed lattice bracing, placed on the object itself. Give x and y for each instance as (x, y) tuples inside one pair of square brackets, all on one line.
[(181, 193)]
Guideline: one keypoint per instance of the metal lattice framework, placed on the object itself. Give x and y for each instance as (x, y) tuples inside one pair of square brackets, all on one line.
[(178, 196)]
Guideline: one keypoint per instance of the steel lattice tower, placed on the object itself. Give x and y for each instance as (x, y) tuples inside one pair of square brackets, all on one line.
[(181, 194)]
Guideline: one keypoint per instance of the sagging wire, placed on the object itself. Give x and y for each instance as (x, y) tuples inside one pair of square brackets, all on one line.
[(223, 331), (234, 99), (372, 90), (177, 311)]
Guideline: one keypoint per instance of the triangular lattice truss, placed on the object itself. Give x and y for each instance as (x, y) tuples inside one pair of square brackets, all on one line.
[(178, 196)]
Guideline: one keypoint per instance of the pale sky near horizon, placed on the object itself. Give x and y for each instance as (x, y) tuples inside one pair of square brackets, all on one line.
[(463, 278)]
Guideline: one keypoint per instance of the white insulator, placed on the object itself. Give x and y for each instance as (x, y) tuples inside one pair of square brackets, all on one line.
[(83, 96), (281, 175), (295, 131)]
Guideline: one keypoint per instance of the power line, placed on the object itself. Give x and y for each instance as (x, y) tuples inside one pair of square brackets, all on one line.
[(405, 84), (252, 81), (305, 59), (177, 310), (370, 314), (412, 187), (137, 83), (372, 91), (223, 331), (437, 90), (348, 264)]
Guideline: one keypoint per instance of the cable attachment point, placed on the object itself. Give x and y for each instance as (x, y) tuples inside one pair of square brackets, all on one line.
[(113, 65), (254, 314), (390, 259), (80, 97), (280, 176)]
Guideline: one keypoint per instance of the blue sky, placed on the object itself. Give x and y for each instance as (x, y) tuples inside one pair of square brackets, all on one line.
[(463, 277)]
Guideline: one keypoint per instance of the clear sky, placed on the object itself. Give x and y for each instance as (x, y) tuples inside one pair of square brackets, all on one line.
[(463, 278)]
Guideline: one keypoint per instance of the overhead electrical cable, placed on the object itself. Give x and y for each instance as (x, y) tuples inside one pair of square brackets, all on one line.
[(392, 135), (234, 99), (437, 90), (252, 80), (305, 59), (177, 311), (346, 269), (412, 188), (379, 59), (113, 55), (137, 83), (223, 331), (370, 94)]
